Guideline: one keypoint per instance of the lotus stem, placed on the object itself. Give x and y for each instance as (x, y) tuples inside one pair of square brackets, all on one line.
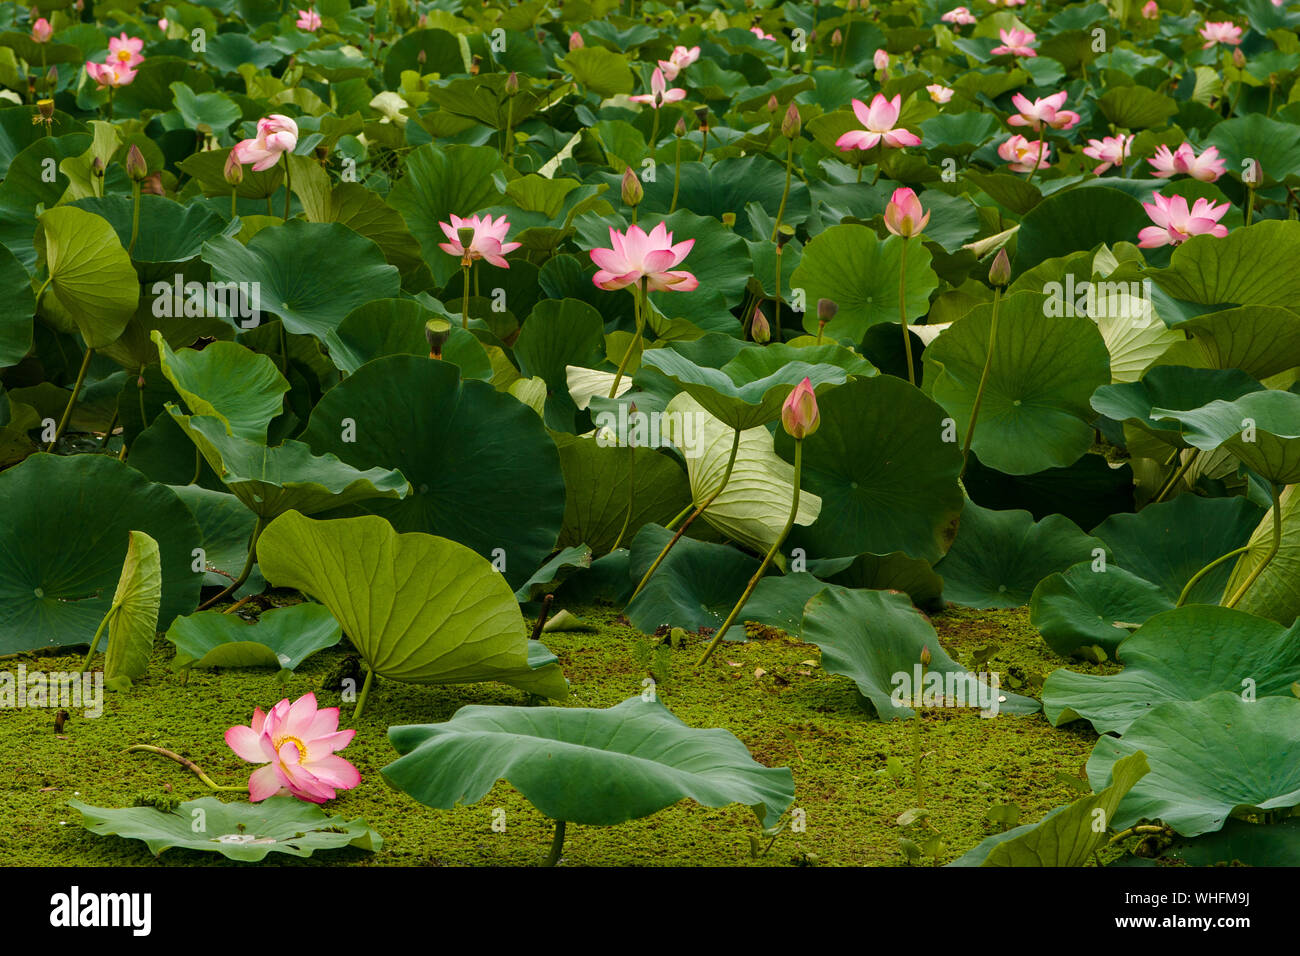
[(916, 739), (654, 133), (902, 312), (776, 303), (139, 394), (677, 175), (248, 567), (508, 133), (542, 615), (234, 196), (1038, 155), (288, 186), (135, 216), (639, 304), (631, 495), (464, 307), (108, 435), (1275, 490), (771, 552), (557, 845), (72, 399), (1177, 476), (984, 378), (785, 194), (185, 762), (365, 693), (1195, 578), (94, 642)]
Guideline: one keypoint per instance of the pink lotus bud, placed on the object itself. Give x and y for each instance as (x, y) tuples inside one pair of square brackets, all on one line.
[(837, 38), (1000, 271), (881, 59), (97, 168), (1238, 58), (42, 31), (576, 41), (791, 125), (773, 104), (632, 191), (826, 309), (759, 329), (512, 83), (904, 216), (136, 167), (925, 655), (162, 24), (1151, 10), (234, 171), (679, 128), (799, 414)]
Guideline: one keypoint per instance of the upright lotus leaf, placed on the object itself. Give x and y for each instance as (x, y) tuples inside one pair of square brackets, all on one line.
[(90, 274), (63, 543), (554, 573), (16, 310), (1276, 592), (397, 327), (876, 637), (557, 334), (238, 830), (1262, 429), (1068, 836), (1069, 221), (886, 478), (696, 586), (1261, 340), (1170, 386), (226, 381), (1250, 266), (271, 481), (755, 504), (1185, 654), (1035, 412), (282, 638), (169, 233), (859, 271), (226, 527), (1087, 606), (483, 469), (1209, 759), (27, 187), (1134, 335), (132, 619), (583, 765), (885, 572), (310, 274), (419, 609)]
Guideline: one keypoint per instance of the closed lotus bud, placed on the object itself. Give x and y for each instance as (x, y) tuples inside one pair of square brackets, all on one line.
[(851, 5), (136, 167), (42, 31), (512, 83), (880, 60), (234, 171), (791, 125), (799, 415), (904, 216), (422, 58), (97, 167), (632, 191), (773, 104), (52, 78), (826, 309), (925, 655), (575, 41), (759, 329), (837, 38), (1238, 58), (679, 129), (1000, 272)]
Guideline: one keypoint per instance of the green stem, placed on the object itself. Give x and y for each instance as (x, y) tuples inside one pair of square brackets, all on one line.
[(984, 378), (198, 466), (916, 742), (135, 216), (288, 186), (677, 175), (1192, 582), (789, 169), (1177, 476), (654, 133), (767, 559), (72, 399), (94, 642), (631, 495), (248, 566), (639, 305), (1038, 156), (108, 435), (1276, 491), (509, 135), (680, 515), (464, 308), (139, 394), (902, 312), (365, 693), (1250, 205), (234, 195), (557, 845), (776, 303), (185, 762)]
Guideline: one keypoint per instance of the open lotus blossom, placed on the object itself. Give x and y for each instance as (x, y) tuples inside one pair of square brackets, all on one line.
[(678, 60), (488, 242), (1207, 167), (1016, 43), (659, 92), (42, 31), (1110, 151), (125, 51), (298, 744), (636, 255), (1151, 10), (800, 416), (110, 74), (1043, 112), (1025, 154), (881, 122), (905, 216), (276, 134), (1176, 223), (939, 93), (1222, 32), (959, 16), (308, 20)]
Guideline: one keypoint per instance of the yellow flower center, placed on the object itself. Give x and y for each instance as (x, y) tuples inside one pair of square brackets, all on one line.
[(302, 748), (124, 55)]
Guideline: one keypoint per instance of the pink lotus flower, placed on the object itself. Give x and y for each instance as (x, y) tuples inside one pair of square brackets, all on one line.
[(1043, 111), (1207, 167), (162, 24), (880, 120), (1151, 10), (800, 416), (575, 41), (959, 16), (1007, 3), (634, 256), (110, 74), (1024, 154), (276, 134), (1175, 223), (308, 20), (1016, 43), (1222, 32), (1110, 150), (758, 32), (488, 242), (880, 60), (125, 51), (42, 31), (659, 93), (905, 216), (678, 60), (939, 93), (297, 742)]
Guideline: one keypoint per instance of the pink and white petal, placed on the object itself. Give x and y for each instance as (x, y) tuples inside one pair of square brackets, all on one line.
[(264, 782), (245, 743), (861, 111), (1152, 237), (335, 772)]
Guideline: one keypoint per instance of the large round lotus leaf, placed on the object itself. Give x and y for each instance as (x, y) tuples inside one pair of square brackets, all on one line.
[(557, 334), (1255, 139), (730, 185), (1035, 412), (1086, 492), (583, 765), (856, 269), (90, 274), (1208, 758), (596, 493), (886, 478), (208, 170), (483, 469), (1067, 222), (1183, 654), (396, 327), (227, 381), (16, 310), (696, 586), (885, 572), (1170, 386), (1260, 340), (226, 527), (62, 549), (418, 609), (27, 188), (282, 637), (1262, 429), (170, 233), (436, 183), (1276, 592), (1250, 266), (1084, 607), (999, 557), (271, 481), (873, 637), (1241, 843), (310, 274), (237, 830)]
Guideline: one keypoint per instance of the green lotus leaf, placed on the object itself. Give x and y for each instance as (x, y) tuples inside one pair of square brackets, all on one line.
[(1067, 222), (17, 131), (1084, 607), (237, 830), (1209, 759), (1256, 139), (207, 168), (873, 637), (1260, 340), (554, 572), (310, 274), (583, 765), (884, 572), (396, 327), (282, 638), (598, 69), (1035, 412), (557, 334), (366, 213), (886, 478), (27, 188), (90, 274), (1250, 266), (132, 619), (1240, 843), (696, 586), (1262, 429), (227, 381), (62, 551), (998, 557), (1276, 592), (1136, 107), (216, 111), (1170, 386), (729, 185), (1086, 491), (483, 469), (169, 233), (271, 481), (225, 527), (419, 609), (441, 54), (1184, 654), (16, 310)]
